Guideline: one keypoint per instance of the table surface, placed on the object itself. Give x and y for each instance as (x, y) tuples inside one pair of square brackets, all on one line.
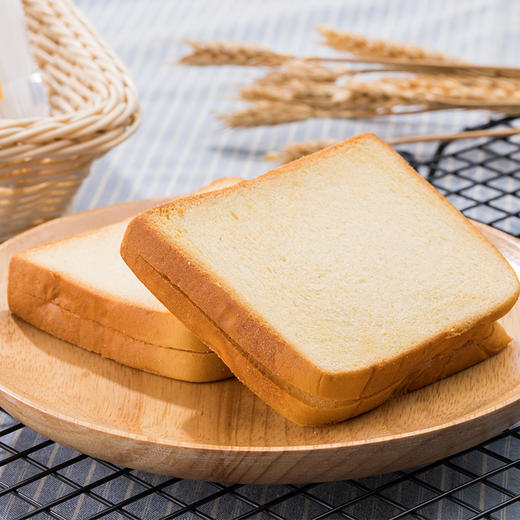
[(181, 146)]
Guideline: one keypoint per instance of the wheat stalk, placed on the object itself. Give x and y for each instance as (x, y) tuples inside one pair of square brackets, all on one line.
[(296, 150), (371, 47), (247, 54), (314, 86), (232, 53), (385, 95), (293, 151), (358, 99), (269, 112), (299, 89), (400, 64), (317, 95), (314, 72), (446, 89)]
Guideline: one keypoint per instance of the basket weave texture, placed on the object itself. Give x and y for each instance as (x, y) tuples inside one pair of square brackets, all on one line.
[(94, 107)]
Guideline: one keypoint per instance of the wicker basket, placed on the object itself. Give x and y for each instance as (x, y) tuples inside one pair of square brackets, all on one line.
[(94, 107)]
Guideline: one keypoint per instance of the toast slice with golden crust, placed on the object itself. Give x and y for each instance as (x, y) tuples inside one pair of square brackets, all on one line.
[(335, 277)]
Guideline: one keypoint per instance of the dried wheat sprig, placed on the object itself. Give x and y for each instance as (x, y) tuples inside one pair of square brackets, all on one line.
[(293, 151), (445, 89), (318, 72), (317, 95), (362, 46), (504, 108), (296, 150), (324, 95), (400, 64), (247, 54), (492, 93), (232, 53), (268, 112), (303, 89), (314, 72), (368, 99), (468, 134)]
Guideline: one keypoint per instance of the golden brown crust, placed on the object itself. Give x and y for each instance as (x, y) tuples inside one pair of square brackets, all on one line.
[(464, 352), (141, 323), (251, 332), (110, 343)]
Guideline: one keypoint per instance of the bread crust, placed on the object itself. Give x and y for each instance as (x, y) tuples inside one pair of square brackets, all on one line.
[(472, 347), (135, 321), (247, 329), (72, 313), (195, 367), (125, 331)]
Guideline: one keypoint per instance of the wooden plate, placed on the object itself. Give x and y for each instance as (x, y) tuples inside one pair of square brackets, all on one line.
[(220, 431)]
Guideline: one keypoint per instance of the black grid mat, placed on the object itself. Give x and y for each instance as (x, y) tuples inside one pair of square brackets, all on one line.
[(40, 479)]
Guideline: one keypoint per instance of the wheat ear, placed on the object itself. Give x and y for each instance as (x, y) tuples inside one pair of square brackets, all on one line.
[(371, 47), (296, 150), (232, 53)]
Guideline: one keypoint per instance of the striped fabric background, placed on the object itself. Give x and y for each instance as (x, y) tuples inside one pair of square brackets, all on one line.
[(180, 146)]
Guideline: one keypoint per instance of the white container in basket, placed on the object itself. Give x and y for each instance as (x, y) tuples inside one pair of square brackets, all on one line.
[(22, 93)]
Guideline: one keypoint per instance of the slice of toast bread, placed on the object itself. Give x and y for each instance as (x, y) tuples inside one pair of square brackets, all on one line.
[(338, 274), (80, 290), (474, 346)]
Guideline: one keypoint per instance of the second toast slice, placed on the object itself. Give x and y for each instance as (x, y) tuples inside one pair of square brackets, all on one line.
[(80, 290)]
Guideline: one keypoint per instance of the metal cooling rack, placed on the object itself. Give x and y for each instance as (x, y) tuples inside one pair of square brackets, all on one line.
[(40, 479)]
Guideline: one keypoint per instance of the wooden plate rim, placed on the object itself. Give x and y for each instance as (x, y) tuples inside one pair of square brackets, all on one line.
[(116, 434)]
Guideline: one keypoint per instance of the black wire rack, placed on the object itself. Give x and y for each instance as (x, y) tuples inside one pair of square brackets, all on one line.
[(40, 479)]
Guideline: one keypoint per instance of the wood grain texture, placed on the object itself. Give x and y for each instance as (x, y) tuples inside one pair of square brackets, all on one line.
[(221, 431)]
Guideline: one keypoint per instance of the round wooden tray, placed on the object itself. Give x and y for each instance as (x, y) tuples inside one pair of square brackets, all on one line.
[(221, 431)]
